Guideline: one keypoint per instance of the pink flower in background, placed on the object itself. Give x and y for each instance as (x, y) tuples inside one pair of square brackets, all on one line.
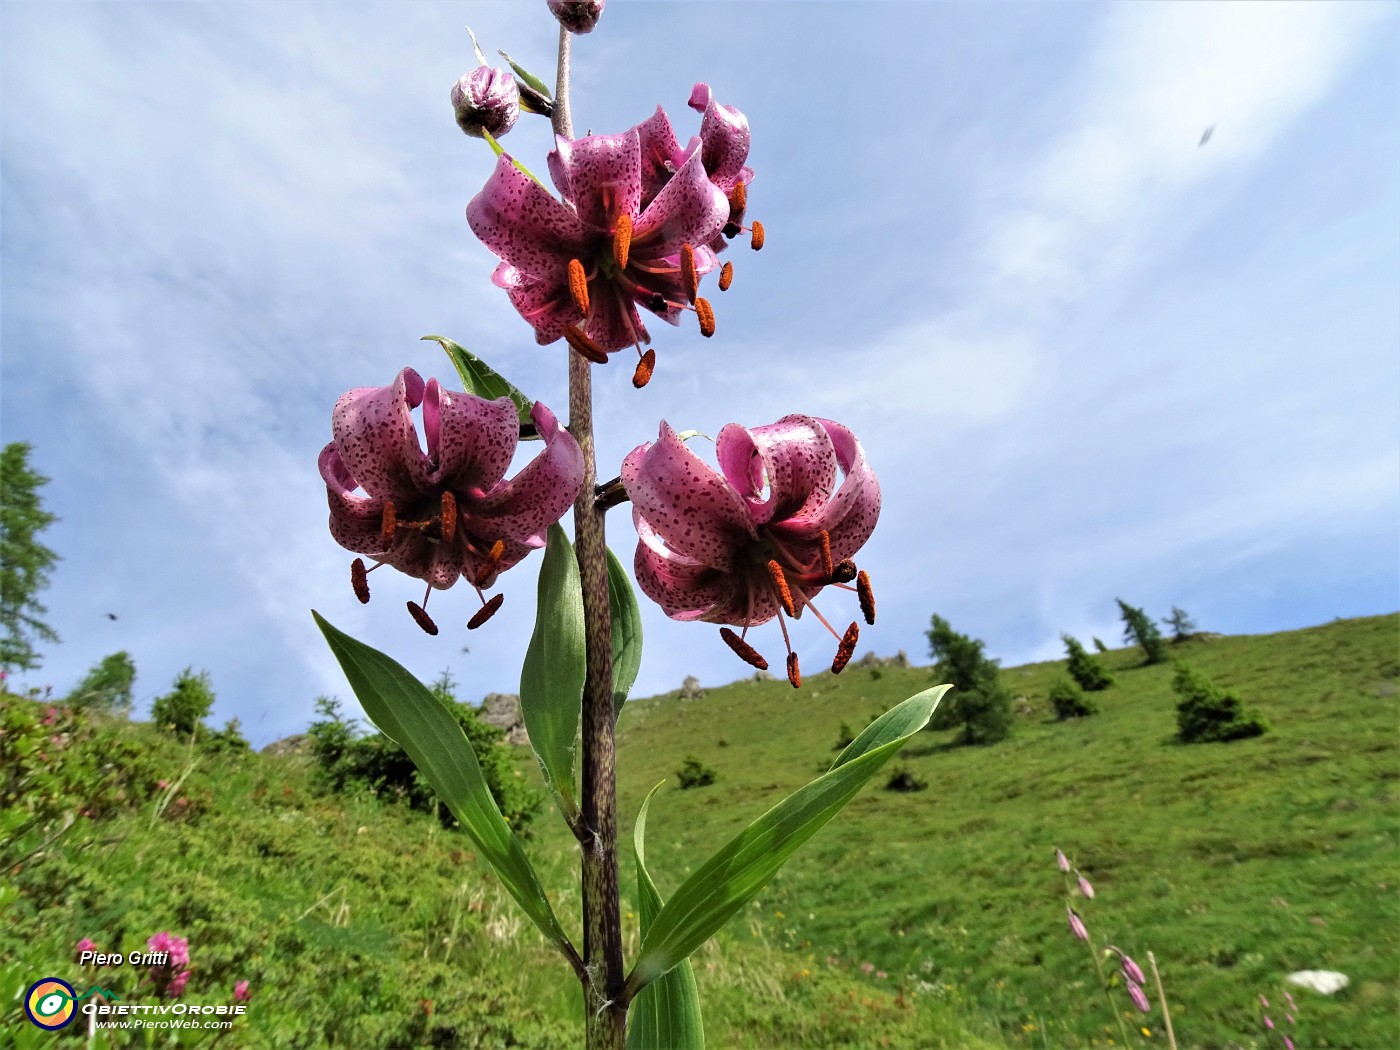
[(449, 512), (1131, 970), (162, 784), (240, 992), (1076, 925), (1062, 860), (792, 503), (50, 716), (85, 945), (577, 16), (486, 99), (176, 987), (176, 948), (1138, 996), (1085, 888), (867, 967)]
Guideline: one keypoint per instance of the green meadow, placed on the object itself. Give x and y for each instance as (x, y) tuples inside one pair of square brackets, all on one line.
[(929, 918)]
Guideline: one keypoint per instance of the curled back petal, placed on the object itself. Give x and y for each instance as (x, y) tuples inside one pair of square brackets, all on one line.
[(521, 509), (661, 153), (520, 222), (543, 301), (355, 518), (782, 470), (724, 139), (691, 507), (470, 440), (690, 209), (684, 588), (603, 174), (851, 513), (373, 431)]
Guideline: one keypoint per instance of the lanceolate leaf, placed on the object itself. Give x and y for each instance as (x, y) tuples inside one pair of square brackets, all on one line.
[(626, 632), (735, 875), (551, 681), (409, 714), (666, 1015), (481, 379)]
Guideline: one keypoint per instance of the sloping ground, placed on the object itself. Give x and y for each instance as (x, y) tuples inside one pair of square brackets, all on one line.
[(1235, 863)]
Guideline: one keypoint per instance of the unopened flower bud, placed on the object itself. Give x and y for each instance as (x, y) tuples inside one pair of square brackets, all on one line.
[(1139, 997), (1085, 887), (1131, 970), (1076, 925), (577, 16), (486, 99), (1062, 860)]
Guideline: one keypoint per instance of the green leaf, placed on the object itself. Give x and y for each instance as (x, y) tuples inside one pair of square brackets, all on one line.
[(551, 681), (481, 379), (525, 75), (408, 713), (666, 1014), (626, 632), (736, 874)]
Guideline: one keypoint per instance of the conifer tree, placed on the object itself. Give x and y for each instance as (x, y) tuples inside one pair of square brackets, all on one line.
[(24, 561), (1083, 668), (978, 701), (1139, 629), (1183, 627)]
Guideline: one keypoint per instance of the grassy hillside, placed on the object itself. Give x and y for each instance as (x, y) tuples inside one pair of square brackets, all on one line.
[(934, 918), (1235, 863)]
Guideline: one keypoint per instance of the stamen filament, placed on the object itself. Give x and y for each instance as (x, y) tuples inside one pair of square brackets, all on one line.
[(743, 649), (485, 612), (578, 286)]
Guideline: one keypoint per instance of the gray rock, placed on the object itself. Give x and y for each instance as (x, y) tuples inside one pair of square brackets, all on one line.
[(690, 689), (502, 710)]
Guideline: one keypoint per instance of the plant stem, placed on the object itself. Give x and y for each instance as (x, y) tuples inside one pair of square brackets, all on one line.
[(1162, 998), (1107, 994), (605, 1009)]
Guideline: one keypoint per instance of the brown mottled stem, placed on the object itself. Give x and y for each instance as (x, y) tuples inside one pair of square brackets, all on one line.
[(605, 1008)]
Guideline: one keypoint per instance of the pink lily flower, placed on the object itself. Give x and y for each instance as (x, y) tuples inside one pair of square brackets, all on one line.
[(240, 992), (635, 228), (1138, 996), (1076, 925), (760, 539), (1062, 860), (449, 512)]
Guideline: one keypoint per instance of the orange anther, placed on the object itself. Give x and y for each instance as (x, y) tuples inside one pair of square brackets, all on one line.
[(780, 584), (359, 581), (726, 276), (583, 346), (421, 617), (847, 648), (743, 649), (642, 376), (485, 612), (688, 275), (756, 235), (866, 596), (706, 313), (622, 240), (828, 569), (388, 522), (449, 517), (578, 285), (794, 671)]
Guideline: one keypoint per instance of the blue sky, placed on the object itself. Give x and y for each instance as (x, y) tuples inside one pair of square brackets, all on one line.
[(1088, 357)]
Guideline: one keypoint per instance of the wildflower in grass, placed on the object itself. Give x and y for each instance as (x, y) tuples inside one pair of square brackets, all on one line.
[(450, 512), (1076, 925), (486, 100), (171, 977), (1131, 970), (1138, 996), (867, 967), (84, 945), (1062, 860), (1085, 888), (240, 992), (762, 538)]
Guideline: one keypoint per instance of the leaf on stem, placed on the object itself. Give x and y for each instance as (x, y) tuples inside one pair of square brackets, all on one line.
[(666, 1015), (736, 874), (626, 632), (551, 680), (481, 379), (407, 712)]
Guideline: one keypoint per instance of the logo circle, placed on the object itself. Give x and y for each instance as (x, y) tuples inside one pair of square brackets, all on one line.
[(49, 1004)]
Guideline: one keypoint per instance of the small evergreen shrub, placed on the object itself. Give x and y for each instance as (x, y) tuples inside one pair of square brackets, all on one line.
[(902, 778), (347, 761), (694, 773), (1139, 629), (183, 708), (1069, 700), (1088, 672), (1183, 627), (1206, 713), (107, 687), (844, 736), (978, 701)]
